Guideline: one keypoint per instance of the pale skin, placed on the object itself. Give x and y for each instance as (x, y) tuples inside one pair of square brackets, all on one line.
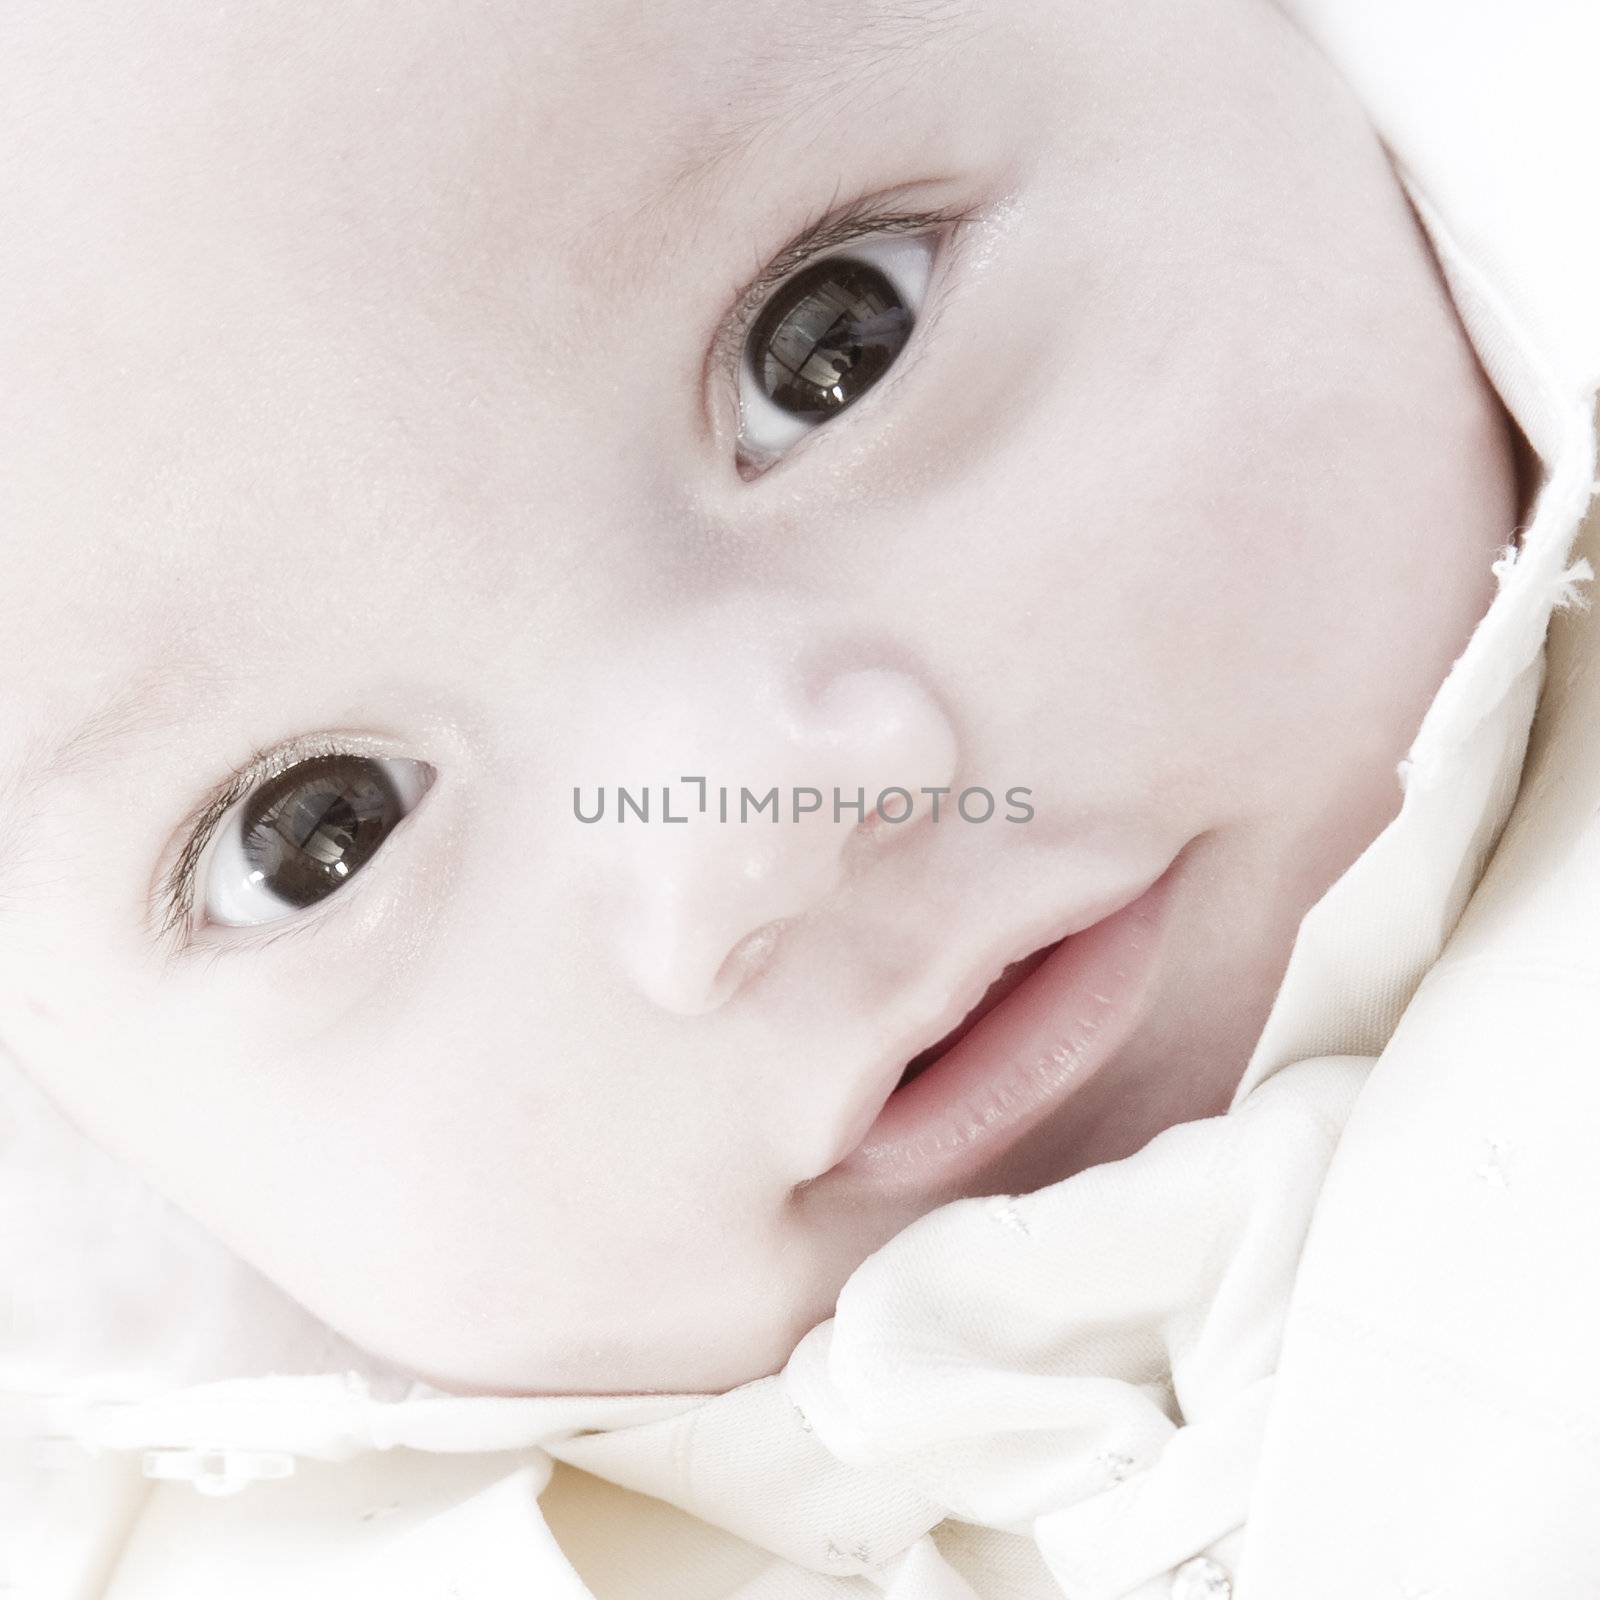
[(357, 383)]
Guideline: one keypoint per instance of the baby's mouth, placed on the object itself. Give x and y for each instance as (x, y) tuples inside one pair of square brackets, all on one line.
[(1010, 976), (1046, 1023)]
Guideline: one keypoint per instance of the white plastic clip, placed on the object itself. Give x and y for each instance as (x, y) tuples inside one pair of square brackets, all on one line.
[(217, 1471)]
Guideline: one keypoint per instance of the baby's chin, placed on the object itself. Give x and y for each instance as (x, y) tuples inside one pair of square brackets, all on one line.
[(712, 1365), (744, 1327)]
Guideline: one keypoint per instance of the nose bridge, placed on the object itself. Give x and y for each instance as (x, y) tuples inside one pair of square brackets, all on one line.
[(745, 741)]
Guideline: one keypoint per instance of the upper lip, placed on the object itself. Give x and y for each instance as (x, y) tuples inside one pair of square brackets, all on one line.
[(916, 1037)]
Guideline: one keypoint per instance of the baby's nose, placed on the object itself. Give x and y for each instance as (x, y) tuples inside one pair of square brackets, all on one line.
[(755, 766)]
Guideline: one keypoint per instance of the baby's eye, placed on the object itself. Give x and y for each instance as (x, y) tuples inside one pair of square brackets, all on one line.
[(825, 338), (300, 835)]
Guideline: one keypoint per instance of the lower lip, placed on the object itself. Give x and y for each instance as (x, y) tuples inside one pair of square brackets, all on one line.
[(1023, 1060)]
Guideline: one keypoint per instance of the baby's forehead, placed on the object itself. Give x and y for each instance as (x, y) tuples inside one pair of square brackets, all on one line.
[(586, 89), (209, 218)]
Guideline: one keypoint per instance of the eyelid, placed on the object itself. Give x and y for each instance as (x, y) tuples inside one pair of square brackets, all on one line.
[(172, 899), (871, 217)]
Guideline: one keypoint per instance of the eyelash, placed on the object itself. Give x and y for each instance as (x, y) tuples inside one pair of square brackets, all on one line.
[(174, 897), (831, 233)]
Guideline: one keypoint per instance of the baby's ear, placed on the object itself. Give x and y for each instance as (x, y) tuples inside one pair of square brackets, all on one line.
[(103, 1279)]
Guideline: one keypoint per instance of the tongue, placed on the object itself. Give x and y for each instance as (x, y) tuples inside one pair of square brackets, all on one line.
[(1009, 978)]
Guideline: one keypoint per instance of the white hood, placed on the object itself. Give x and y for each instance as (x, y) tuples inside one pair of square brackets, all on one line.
[(1092, 1380)]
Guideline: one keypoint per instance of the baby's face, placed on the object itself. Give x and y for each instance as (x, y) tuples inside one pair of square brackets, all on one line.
[(373, 400)]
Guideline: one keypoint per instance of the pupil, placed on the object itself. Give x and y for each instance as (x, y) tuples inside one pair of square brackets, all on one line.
[(827, 336), (310, 829)]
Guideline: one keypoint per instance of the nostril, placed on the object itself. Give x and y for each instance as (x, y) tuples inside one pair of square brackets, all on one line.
[(746, 959)]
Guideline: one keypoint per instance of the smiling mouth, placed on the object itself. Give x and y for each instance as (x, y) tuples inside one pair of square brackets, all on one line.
[(1047, 1022), (1010, 976)]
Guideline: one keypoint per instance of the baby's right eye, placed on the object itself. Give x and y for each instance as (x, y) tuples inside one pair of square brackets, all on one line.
[(304, 833)]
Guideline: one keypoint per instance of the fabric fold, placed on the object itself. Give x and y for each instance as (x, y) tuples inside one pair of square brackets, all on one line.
[(1094, 1383)]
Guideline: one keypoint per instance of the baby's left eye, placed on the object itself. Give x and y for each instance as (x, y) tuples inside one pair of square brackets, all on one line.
[(826, 336), (303, 834)]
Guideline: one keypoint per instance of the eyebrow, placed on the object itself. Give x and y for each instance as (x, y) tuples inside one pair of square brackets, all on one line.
[(885, 36), (138, 708), (780, 86)]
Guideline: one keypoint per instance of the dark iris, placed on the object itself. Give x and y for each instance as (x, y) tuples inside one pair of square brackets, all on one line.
[(827, 336), (311, 828)]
